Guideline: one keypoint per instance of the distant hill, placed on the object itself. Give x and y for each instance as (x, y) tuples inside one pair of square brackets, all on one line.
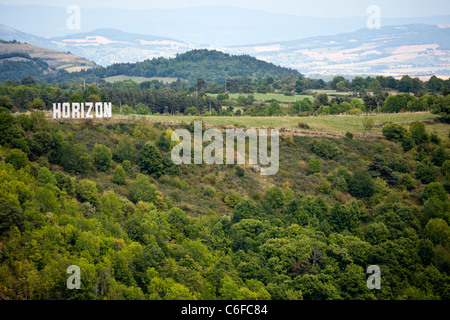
[(108, 46), (417, 49), (18, 60), (210, 65)]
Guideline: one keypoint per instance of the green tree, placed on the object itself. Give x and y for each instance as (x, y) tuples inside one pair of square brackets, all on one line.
[(193, 111), (150, 160), (361, 184), (119, 176), (314, 166), (142, 190), (87, 191), (102, 157), (394, 132), (142, 109), (434, 189), (37, 104), (274, 197), (343, 217), (426, 172), (17, 158), (45, 176), (418, 132), (6, 102)]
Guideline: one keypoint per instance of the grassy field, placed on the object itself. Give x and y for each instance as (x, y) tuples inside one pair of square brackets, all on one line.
[(269, 96), (336, 125), (138, 79)]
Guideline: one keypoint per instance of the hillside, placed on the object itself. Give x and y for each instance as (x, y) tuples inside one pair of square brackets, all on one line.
[(18, 60), (210, 65), (108, 46), (106, 197), (417, 49)]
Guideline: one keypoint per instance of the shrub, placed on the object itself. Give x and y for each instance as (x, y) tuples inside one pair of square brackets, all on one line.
[(239, 171), (368, 123), (314, 166), (394, 132), (326, 149), (232, 198), (349, 135), (303, 125)]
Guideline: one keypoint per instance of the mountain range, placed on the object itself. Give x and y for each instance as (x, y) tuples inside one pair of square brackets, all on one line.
[(417, 49), (204, 25)]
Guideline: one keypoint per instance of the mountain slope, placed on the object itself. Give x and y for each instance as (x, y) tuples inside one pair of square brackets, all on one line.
[(411, 49), (108, 46), (18, 60)]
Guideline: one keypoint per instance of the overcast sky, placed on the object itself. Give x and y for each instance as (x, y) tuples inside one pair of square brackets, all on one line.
[(318, 8)]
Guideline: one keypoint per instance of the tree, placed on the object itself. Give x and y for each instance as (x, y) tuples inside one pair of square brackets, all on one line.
[(434, 190), (75, 158), (36, 104), (119, 175), (150, 160), (418, 132), (142, 109), (361, 184), (326, 149), (142, 190), (246, 209), (274, 197), (45, 176), (394, 132), (191, 111), (87, 191), (102, 157), (343, 217), (10, 215), (178, 222), (17, 158), (6, 102), (426, 172), (438, 231)]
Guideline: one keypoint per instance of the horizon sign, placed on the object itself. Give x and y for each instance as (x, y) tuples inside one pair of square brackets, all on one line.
[(82, 110)]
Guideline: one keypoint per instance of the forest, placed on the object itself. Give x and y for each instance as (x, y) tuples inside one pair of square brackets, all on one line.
[(106, 197)]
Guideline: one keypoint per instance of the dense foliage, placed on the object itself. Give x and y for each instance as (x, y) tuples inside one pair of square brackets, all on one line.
[(102, 196)]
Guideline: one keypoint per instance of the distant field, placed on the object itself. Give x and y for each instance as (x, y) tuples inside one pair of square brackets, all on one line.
[(325, 124), (138, 79), (269, 96)]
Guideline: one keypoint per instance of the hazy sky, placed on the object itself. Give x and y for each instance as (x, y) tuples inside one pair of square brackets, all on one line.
[(318, 8)]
